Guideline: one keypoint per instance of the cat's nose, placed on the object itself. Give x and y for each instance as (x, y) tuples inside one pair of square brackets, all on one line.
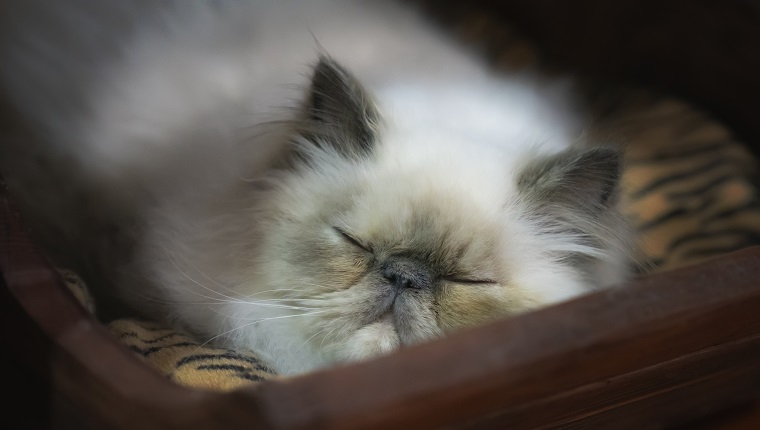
[(405, 273)]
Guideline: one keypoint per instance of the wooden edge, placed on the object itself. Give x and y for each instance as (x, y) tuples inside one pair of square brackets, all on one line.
[(741, 417), (604, 356)]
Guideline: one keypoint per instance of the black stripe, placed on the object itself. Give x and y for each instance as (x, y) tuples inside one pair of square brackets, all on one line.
[(720, 180), (750, 206), (676, 213), (702, 169), (135, 335), (692, 121), (680, 154), (252, 377), (227, 355), (667, 216), (148, 351), (135, 349), (717, 250), (131, 334), (160, 338), (235, 367), (741, 235), (707, 203), (240, 371)]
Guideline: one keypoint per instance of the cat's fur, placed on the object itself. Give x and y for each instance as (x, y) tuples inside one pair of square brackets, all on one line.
[(319, 181)]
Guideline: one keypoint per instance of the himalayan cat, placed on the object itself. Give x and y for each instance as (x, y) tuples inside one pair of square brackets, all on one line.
[(319, 181)]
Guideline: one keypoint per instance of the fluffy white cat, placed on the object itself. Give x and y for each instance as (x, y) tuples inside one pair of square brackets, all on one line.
[(319, 181)]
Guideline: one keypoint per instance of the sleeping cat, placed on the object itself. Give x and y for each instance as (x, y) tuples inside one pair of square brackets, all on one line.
[(321, 182)]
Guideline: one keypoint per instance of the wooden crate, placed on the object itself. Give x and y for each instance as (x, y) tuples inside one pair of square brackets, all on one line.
[(677, 349)]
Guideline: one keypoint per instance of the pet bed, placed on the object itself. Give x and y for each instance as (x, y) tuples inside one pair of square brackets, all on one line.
[(688, 188)]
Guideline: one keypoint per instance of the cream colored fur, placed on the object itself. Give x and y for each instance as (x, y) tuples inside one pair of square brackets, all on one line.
[(179, 112)]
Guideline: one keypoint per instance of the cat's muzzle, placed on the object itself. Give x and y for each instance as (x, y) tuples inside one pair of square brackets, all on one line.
[(403, 273)]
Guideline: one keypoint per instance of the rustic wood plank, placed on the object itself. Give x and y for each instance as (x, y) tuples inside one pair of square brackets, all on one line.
[(743, 417), (652, 397)]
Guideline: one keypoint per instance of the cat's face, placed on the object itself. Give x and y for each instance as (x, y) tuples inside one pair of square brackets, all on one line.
[(396, 267), (381, 246)]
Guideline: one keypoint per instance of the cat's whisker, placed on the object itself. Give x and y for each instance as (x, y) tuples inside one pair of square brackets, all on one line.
[(191, 279), (228, 332), (310, 338), (275, 303), (217, 301), (154, 299), (308, 312), (275, 290), (335, 328), (284, 299), (214, 301), (280, 306), (290, 304), (211, 280)]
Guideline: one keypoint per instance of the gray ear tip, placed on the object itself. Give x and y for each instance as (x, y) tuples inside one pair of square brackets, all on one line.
[(591, 172), (328, 66), (604, 157), (324, 61), (338, 112), (605, 164), (606, 152)]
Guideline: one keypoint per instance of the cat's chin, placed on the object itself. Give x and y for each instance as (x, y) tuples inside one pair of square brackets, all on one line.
[(373, 340)]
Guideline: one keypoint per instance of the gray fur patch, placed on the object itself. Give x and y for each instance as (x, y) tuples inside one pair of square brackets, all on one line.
[(339, 111), (584, 180)]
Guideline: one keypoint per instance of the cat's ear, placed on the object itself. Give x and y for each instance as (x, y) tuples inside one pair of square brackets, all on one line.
[(584, 181), (338, 111)]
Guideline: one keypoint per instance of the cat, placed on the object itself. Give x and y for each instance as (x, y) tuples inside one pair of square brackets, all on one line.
[(321, 182)]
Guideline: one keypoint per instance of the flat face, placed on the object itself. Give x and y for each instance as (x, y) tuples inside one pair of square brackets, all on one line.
[(414, 241)]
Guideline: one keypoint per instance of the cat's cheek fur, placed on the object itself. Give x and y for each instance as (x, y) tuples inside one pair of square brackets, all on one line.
[(460, 306), (373, 340)]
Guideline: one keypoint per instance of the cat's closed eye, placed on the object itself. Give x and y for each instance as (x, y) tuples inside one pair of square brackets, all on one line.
[(353, 240), (470, 281)]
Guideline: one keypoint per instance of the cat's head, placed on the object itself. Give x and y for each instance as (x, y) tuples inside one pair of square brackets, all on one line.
[(385, 236)]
